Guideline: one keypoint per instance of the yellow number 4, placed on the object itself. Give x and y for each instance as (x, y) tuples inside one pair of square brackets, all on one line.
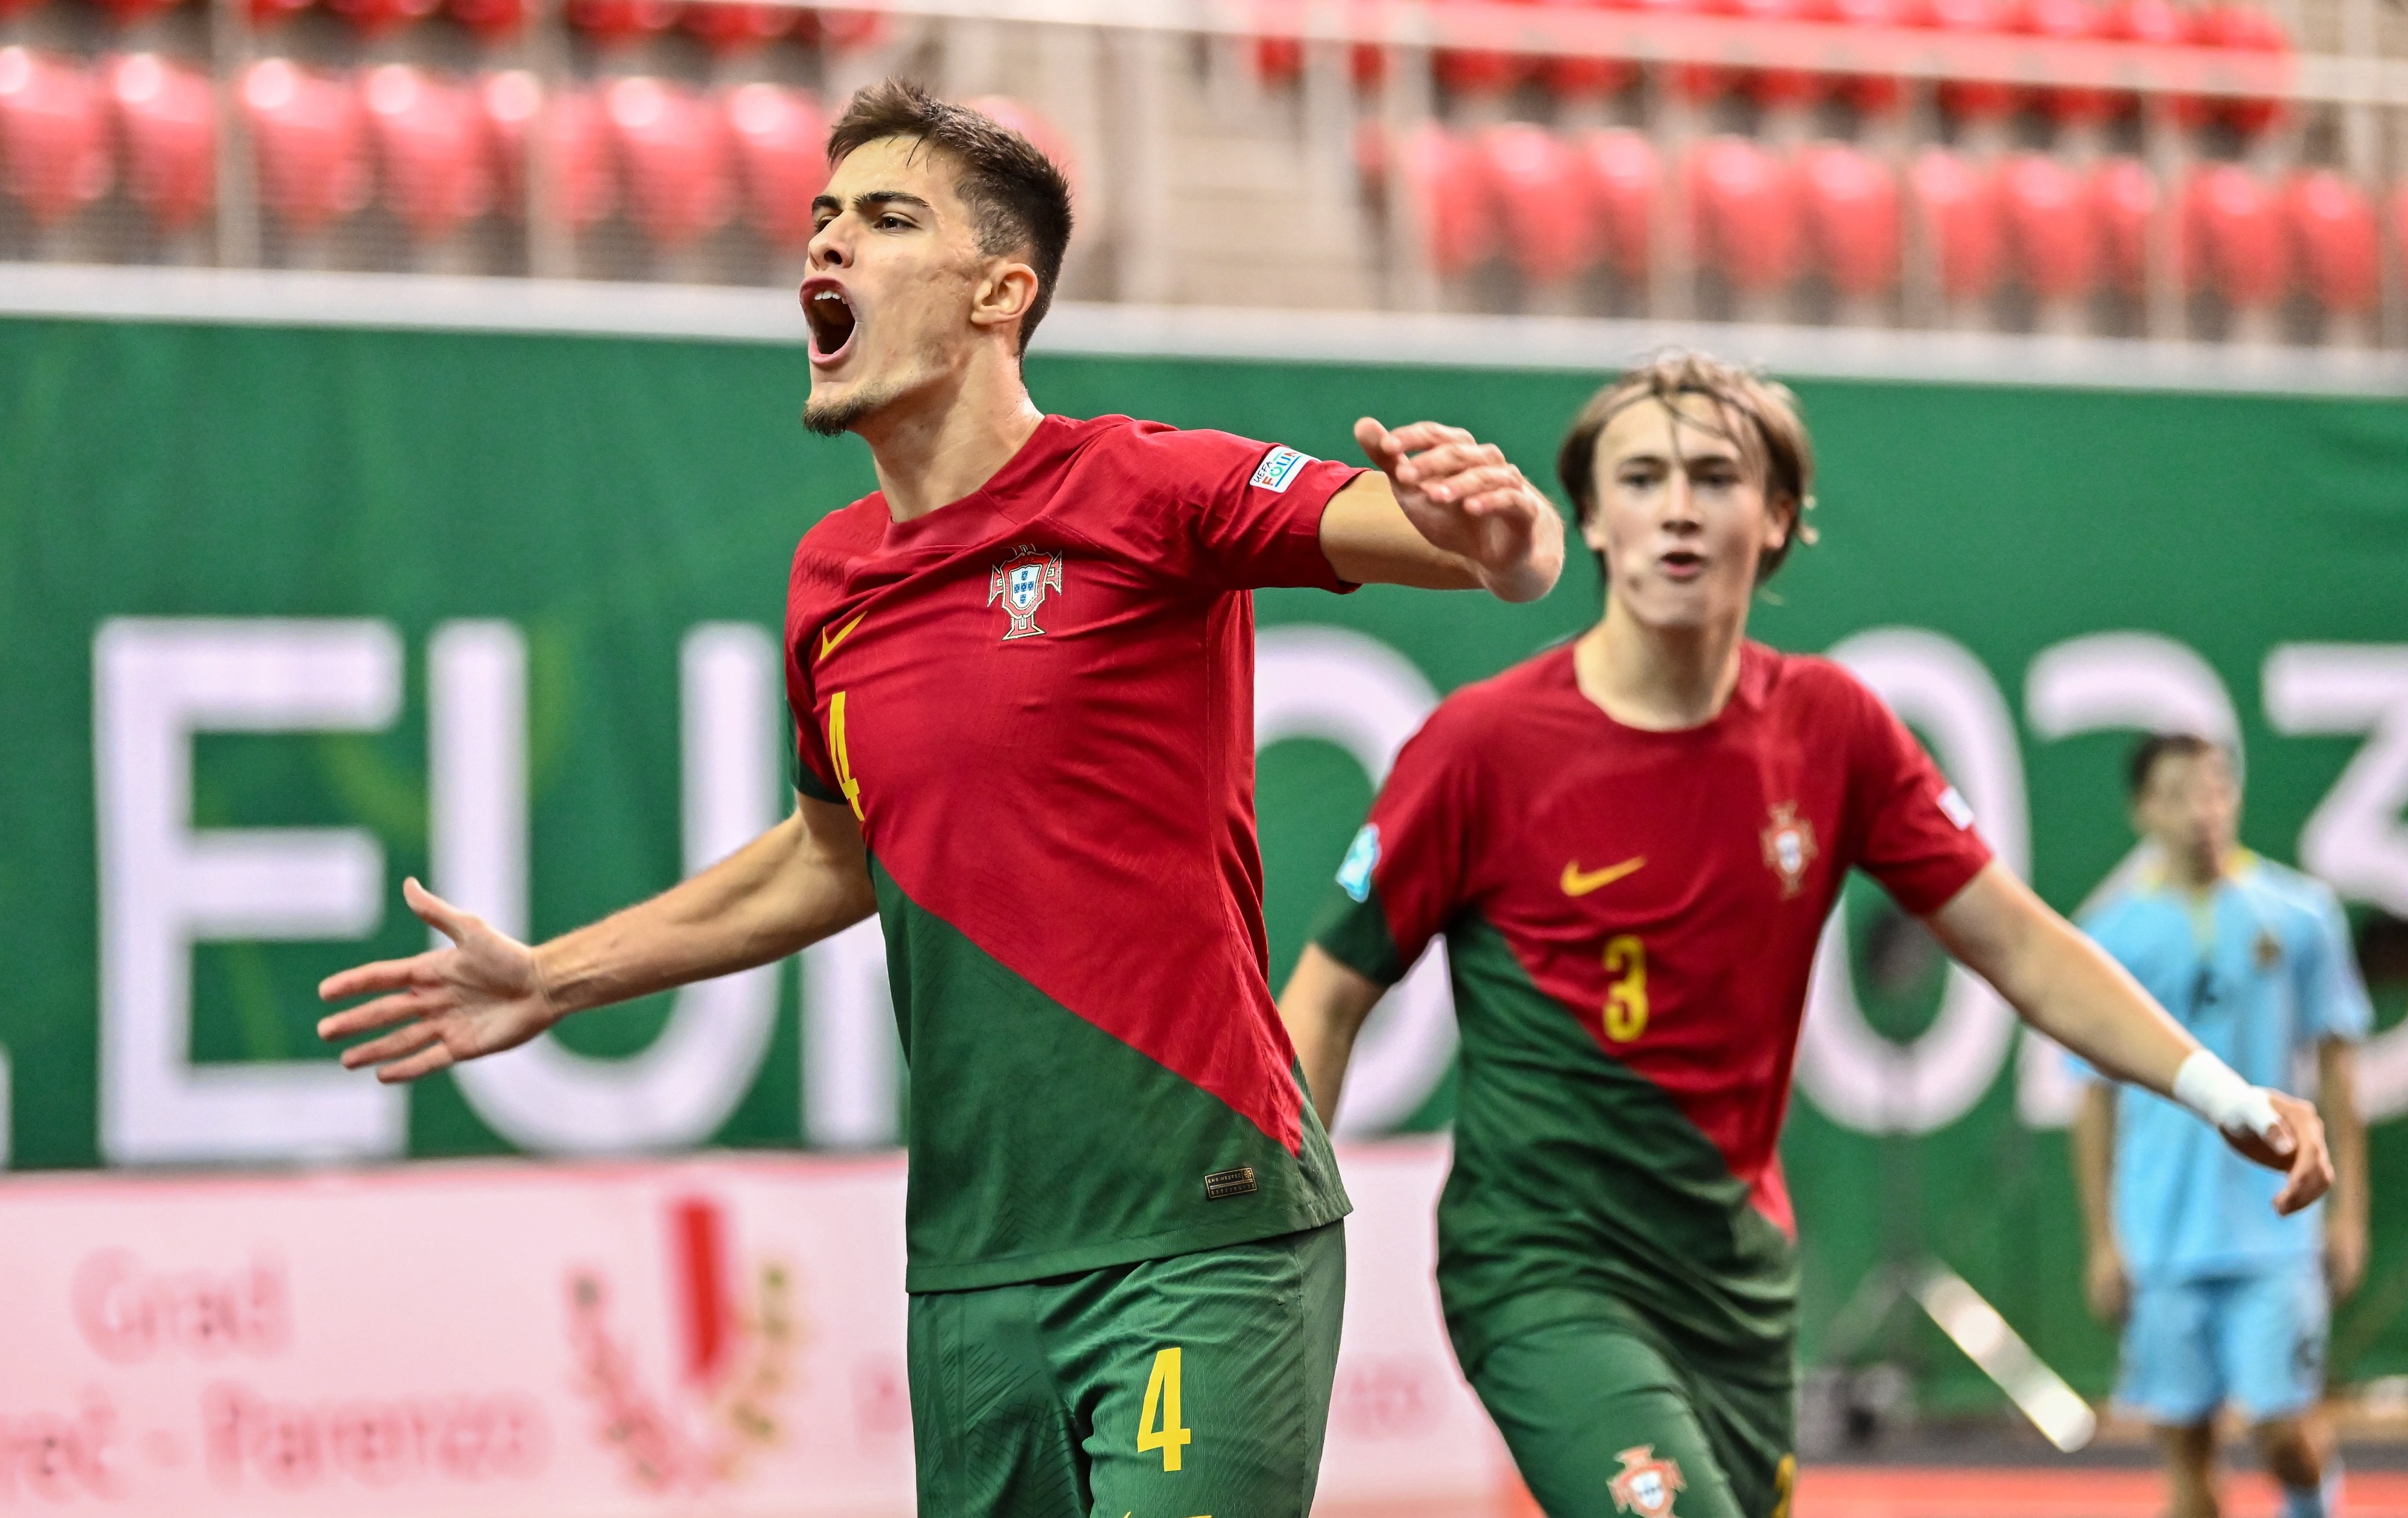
[(1625, 998), (1158, 1427)]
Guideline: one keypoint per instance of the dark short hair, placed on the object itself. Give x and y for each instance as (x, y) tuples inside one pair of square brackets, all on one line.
[(2157, 745), (1022, 200), (1761, 415)]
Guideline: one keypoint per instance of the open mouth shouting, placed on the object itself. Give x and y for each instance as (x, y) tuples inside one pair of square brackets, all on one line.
[(829, 313), (1682, 565)]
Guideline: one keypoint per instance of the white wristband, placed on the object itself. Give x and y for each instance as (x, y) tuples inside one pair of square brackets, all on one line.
[(2215, 1092)]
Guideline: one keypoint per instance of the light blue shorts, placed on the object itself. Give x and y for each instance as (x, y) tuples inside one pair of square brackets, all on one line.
[(2256, 1340)]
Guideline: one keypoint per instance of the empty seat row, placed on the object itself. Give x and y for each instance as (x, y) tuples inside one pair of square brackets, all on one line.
[(1558, 206), (437, 150), (2149, 23), (724, 25)]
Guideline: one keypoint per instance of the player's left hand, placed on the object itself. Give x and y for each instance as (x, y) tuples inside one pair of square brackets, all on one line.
[(1465, 497), (2297, 1147)]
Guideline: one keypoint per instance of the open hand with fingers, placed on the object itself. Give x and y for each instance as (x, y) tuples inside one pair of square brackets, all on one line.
[(1465, 497), (480, 996)]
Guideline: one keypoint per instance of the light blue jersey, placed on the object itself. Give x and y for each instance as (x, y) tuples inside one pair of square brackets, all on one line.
[(2259, 970)]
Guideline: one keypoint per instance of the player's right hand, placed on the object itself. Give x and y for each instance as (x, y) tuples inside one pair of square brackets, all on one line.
[(480, 996), (2104, 1285), (2295, 1145)]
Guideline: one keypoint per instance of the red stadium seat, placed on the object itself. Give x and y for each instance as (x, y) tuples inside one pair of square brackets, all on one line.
[(842, 31), (492, 20), (1959, 201), (2156, 23), (1623, 174), (2067, 21), (1586, 77), (434, 147), (780, 138), (1851, 217), (2241, 28), (674, 149), (1972, 19), (1743, 205), (53, 134), (376, 18), (308, 135), (1478, 72), (1280, 59), (2124, 196), (1019, 116), (271, 13), (2333, 224), (733, 28), (1871, 93), (1450, 195), (2052, 225), (167, 114), (579, 145), (1541, 191), (16, 8), (128, 12), (1698, 83), (2233, 233), (1777, 89), (614, 22)]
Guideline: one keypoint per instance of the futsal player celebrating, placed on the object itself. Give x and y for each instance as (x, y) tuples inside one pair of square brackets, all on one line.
[(1022, 677), (1631, 844), (2221, 1300)]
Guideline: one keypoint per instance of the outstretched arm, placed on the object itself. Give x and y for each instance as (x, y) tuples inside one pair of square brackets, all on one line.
[(1323, 1005), (801, 881), (2068, 987), (1445, 511)]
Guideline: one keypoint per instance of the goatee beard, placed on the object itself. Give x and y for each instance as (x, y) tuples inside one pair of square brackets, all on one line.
[(835, 418)]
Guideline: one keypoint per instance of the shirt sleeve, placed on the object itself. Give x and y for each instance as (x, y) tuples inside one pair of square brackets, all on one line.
[(1913, 833), (814, 775), (1253, 510), (2332, 992), (1404, 876)]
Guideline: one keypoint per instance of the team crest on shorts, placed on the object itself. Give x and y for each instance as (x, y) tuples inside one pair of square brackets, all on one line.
[(1646, 1485), (1019, 582), (1789, 847)]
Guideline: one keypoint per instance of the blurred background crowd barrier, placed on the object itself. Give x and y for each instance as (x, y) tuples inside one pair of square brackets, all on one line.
[(2220, 174)]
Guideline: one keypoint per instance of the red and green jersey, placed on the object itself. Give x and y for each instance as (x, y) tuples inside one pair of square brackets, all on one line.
[(1038, 701), (1630, 920)]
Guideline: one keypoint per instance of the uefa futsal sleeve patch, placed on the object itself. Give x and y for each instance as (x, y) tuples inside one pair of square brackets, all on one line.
[(1279, 470), (1361, 857), (1953, 803)]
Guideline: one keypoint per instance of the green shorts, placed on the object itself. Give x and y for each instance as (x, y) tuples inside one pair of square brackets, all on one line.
[(1181, 1388), (1605, 1423)]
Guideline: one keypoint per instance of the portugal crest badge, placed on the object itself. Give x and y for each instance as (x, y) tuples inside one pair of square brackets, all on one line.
[(1789, 847), (1646, 1485), (1019, 582)]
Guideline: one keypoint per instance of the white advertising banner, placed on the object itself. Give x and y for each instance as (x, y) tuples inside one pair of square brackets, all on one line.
[(720, 1335)]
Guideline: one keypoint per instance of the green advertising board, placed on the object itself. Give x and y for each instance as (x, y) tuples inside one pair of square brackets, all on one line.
[(287, 614)]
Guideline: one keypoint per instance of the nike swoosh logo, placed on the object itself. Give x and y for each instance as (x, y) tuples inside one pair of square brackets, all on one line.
[(829, 640), (1579, 884)]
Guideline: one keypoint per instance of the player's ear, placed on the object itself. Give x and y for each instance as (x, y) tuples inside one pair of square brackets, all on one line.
[(1592, 526), (1006, 292), (1780, 520)]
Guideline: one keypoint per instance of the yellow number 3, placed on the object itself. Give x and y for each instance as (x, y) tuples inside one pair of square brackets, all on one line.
[(1625, 998), (1158, 1427)]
